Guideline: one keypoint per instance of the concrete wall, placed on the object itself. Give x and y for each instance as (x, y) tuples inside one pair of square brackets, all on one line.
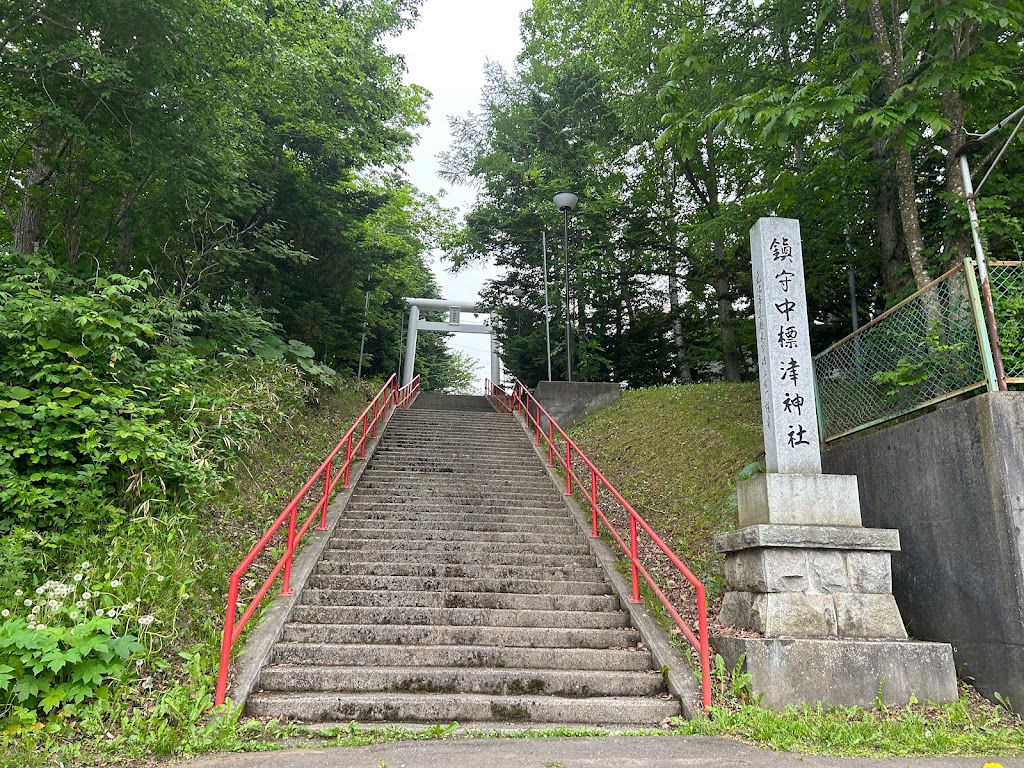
[(570, 401), (952, 482)]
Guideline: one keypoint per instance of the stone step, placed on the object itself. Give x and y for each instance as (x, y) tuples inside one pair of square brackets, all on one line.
[(490, 600), (417, 455), (333, 560), (426, 634), (465, 570), (339, 543), (439, 492), (482, 474), (564, 536), (399, 517), (416, 449), (457, 617), (432, 445), (572, 683), (539, 527), (430, 584), (440, 708), (461, 656), (460, 403)]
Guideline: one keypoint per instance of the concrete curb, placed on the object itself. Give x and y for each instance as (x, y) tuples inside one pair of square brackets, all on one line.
[(244, 676), (679, 676)]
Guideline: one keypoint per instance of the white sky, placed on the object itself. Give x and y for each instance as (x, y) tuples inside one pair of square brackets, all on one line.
[(445, 53)]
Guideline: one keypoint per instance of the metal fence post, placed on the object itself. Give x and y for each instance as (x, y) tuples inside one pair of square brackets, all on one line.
[(988, 363)]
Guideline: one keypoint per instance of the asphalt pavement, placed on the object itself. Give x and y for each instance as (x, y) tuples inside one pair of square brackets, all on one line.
[(614, 751)]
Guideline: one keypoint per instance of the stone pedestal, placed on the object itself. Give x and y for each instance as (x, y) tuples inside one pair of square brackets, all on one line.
[(847, 673), (821, 594)]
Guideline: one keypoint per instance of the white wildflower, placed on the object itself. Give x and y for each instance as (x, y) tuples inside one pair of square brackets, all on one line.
[(40, 626), (86, 595), (185, 596), (5, 613), (35, 609), (115, 583), (80, 604), (146, 620), (18, 593), (138, 599), (78, 577), (74, 614), (99, 612), (159, 577), (39, 590), (27, 601), (86, 566), (53, 603)]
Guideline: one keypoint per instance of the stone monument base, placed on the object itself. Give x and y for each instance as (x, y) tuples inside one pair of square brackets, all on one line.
[(842, 672)]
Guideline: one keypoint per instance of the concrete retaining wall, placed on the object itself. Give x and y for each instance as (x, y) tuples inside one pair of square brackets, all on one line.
[(952, 482), (570, 401)]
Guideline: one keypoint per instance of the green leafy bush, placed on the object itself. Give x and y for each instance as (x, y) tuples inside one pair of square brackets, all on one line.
[(65, 650), (105, 410)]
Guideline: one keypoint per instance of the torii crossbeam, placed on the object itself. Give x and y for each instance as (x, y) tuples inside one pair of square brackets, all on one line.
[(454, 325)]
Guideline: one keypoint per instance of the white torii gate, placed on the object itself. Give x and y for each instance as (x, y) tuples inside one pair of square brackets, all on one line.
[(454, 310)]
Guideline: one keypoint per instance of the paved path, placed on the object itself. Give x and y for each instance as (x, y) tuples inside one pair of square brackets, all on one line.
[(605, 752)]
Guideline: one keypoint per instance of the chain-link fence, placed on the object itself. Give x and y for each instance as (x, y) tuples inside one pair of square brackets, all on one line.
[(920, 352), (1006, 279)]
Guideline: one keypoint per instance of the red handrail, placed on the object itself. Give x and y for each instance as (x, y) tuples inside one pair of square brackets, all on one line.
[(537, 418), (390, 396)]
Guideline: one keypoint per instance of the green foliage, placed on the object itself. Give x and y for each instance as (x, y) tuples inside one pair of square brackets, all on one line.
[(968, 726), (102, 414), (63, 651), (162, 580)]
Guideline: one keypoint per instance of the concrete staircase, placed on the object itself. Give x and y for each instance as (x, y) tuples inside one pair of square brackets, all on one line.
[(456, 586)]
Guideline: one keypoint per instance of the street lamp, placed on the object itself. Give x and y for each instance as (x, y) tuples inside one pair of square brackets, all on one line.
[(970, 194), (565, 202)]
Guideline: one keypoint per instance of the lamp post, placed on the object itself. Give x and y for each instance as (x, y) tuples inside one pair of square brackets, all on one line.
[(362, 341), (970, 194), (565, 202), (547, 309)]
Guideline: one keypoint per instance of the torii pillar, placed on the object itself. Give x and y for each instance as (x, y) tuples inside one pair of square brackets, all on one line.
[(453, 325)]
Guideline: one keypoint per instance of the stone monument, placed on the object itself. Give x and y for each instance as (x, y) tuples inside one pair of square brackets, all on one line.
[(801, 571)]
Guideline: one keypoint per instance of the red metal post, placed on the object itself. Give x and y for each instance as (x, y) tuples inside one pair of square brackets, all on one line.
[(227, 641), (705, 660), (376, 416), (551, 444), (326, 499), (348, 459), (362, 443), (633, 554), (286, 587), (568, 468), (593, 503), (537, 424)]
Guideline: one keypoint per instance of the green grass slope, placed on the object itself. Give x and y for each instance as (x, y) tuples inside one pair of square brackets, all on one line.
[(674, 453)]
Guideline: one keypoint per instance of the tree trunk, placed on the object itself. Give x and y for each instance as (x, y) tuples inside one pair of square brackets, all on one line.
[(890, 238), (28, 228), (954, 109), (890, 57), (726, 332), (682, 367), (909, 217)]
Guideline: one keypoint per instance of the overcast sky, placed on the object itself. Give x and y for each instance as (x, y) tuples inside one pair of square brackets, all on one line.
[(445, 53)]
